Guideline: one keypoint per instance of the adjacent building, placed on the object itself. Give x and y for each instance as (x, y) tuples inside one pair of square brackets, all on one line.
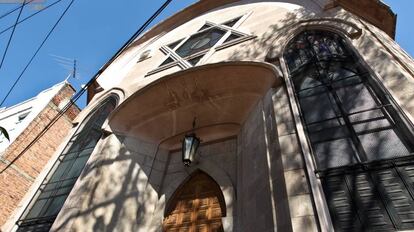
[(304, 113), (20, 162)]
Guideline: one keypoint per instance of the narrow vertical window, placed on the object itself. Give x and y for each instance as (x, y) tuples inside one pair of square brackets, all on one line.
[(362, 149), (54, 190)]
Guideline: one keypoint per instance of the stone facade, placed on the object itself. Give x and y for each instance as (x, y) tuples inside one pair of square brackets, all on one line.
[(21, 164), (253, 140)]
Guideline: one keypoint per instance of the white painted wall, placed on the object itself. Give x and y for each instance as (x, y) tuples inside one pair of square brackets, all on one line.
[(9, 117)]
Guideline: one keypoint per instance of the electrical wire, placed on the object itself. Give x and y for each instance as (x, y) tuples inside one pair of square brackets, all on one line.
[(37, 51), (90, 82), (15, 9), (12, 33), (28, 17)]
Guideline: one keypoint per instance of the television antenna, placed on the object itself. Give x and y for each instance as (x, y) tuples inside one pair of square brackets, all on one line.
[(69, 64)]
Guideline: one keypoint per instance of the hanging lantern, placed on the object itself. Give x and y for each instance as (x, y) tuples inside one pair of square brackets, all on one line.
[(189, 149)]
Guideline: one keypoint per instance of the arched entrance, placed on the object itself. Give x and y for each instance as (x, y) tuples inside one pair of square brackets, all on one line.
[(197, 205)]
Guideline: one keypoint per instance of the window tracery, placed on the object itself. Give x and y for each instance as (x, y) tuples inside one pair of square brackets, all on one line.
[(362, 149), (189, 51)]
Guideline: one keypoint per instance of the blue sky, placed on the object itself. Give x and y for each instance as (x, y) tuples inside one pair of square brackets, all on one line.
[(91, 32), (405, 18)]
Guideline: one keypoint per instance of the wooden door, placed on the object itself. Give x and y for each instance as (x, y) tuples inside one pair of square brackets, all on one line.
[(197, 206)]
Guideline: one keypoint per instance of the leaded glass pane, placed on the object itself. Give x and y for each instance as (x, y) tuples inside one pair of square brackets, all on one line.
[(335, 153), (317, 106), (36, 208), (77, 167), (200, 42), (61, 186), (59, 172), (310, 46), (369, 120), (328, 133), (55, 204), (332, 88), (356, 136), (383, 144), (356, 98), (167, 61), (307, 83), (54, 190), (173, 45), (338, 72), (194, 61)]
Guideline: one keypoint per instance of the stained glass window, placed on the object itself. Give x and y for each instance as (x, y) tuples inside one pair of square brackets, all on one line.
[(341, 108), (193, 48), (354, 131), (195, 60), (173, 45), (167, 61), (54, 190), (200, 42)]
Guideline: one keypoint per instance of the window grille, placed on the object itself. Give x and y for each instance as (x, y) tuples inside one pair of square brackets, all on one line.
[(362, 149), (54, 190)]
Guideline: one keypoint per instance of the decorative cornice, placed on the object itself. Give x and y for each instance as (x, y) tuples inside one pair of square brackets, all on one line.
[(378, 14), (372, 11)]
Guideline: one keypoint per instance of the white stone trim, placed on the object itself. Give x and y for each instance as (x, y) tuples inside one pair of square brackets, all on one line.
[(315, 184), (183, 61), (345, 28), (269, 166), (220, 43), (97, 99)]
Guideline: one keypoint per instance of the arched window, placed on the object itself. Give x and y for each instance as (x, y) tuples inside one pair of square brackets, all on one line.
[(54, 190), (361, 146)]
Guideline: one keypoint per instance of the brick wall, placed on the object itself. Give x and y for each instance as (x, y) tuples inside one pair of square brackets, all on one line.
[(16, 180)]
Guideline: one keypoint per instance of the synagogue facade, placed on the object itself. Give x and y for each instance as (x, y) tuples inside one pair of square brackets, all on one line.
[(284, 115)]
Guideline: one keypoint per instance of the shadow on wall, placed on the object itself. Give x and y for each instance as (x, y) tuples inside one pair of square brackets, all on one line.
[(266, 42), (113, 188), (113, 193), (373, 135), (392, 74)]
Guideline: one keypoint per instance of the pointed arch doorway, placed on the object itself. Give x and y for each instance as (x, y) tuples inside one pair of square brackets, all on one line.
[(196, 206)]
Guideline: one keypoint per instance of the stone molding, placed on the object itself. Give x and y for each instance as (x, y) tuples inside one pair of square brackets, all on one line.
[(285, 34), (380, 15)]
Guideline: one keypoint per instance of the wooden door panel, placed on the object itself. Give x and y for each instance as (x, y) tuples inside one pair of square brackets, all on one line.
[(197, 206)]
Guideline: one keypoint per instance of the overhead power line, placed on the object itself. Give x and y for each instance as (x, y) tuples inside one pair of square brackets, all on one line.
[(36, 52), (12, 33), (15, 9), (30, 16), (90, 82)]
